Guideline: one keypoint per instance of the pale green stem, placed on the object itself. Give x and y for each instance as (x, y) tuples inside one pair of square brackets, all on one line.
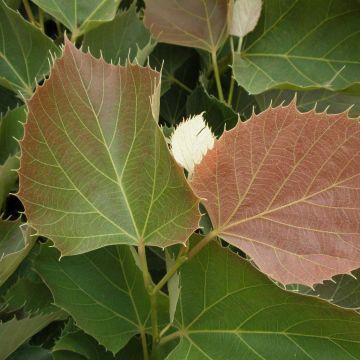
[(232, 81), (217, 75), (29, 12), (41, 20)]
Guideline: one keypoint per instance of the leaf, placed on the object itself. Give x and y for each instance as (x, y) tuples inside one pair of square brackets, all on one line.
[(9, 100), (291, 47), (200, 24), (169, 59), (118, 40), (227, 307), (15, 244), (284, 188), (320, 100), (173, 286), (217, 114), (103, 290), (14, 332), (95, 168), (83, 15), (24, 52), (8, 178), (28, 352), (246, 14), (30, 295), (11, 128), (80, 343)]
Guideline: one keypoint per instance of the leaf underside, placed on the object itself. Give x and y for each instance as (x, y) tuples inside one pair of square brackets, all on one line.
[(285, 188), (95, 169)]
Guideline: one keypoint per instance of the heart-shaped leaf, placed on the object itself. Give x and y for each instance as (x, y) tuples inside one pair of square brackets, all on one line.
[(201, 24), (95, 168), (229, 310), (285, 188)]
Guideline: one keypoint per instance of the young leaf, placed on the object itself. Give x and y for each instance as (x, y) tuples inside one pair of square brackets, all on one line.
[(284, 188), (95, 168), (104, 292), (15, 244), (80, 15), (201, 24), (246, 14), (229, 310), (14, 332), (24, 52), (291, 47), (119, 39)]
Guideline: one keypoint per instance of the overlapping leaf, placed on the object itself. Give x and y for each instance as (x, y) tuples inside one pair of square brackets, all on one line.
[(80, 15), (95, 168), (15, 244), (284, 188), (292, 47), (119, 39), (104, 292), (195, 23), (24, 52), (228, 310)]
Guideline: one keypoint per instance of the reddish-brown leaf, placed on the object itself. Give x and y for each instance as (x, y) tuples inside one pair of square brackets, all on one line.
[(196, 23), (285, 188)]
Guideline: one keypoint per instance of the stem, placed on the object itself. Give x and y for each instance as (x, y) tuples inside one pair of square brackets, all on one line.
[(153, 300), (29, 12), (217, 75), (144, 345), (170, 337), (181, 259), (41, 20), (232, 81)]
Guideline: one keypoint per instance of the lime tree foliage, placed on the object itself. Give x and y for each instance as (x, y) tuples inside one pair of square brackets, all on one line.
[(179, 179)]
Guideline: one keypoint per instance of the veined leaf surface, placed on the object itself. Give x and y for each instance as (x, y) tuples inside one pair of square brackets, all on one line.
[(95, 168), (302, 44), (285, 188), (229, 310), (195, 23)]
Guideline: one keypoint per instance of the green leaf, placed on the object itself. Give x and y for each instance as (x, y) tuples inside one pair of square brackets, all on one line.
[(119, 39), (302, 44), (95, 168), (195, 23), (28, 352), (103, 290), (14, 332), (24, 52), (11, 128), (169, 58), (80, 343), (8, 178), (31, 295), (320, 100), (15, 244), (228, 307), (82, 15), (217, 114), (9, 100)]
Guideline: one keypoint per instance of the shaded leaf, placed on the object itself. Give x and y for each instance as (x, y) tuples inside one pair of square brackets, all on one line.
[(11, 128), (284, 188), (228, 310), (169, 59), (194, 23), (32, 296), (245, 16), (173, 286), (320, 100), (9, 100), (103, 290), (118, 40), (291, 49), (79, 176), (28, 352), (24, 52), (15, 244), (14, 332), (217, 114), (83, 15), (8, 177), (80, 343)]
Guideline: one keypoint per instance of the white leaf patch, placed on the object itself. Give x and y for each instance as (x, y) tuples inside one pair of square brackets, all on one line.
[(246, 14), (190, 142)]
